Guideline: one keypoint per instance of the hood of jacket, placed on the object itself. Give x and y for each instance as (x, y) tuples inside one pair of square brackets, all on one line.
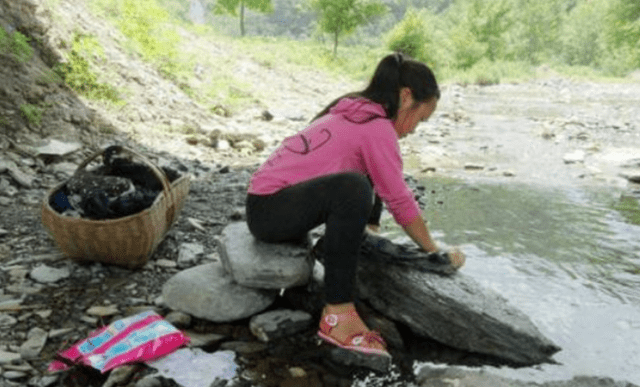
[(358, 110)]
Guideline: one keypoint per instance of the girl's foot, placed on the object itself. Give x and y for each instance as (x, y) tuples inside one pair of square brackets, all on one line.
[(341, 325)]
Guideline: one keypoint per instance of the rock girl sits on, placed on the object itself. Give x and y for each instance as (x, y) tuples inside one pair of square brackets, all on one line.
[(338, 171)]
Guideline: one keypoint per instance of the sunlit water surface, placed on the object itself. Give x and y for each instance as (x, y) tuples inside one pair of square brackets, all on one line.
[(563, 255)]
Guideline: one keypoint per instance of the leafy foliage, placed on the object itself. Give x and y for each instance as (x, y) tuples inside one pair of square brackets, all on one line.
[(339, 17), (77, 73), (478, 30), (32, 113), (147, 24), (410, 36), (17, 45), (581, 39), (623, 33), (538, 28)]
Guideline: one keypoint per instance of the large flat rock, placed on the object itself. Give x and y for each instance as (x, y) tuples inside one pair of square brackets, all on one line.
[(208, 292), (452, 309), (424, 293), (256, 264)]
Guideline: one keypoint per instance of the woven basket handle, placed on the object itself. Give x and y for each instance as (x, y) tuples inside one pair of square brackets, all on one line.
[(166, 187)]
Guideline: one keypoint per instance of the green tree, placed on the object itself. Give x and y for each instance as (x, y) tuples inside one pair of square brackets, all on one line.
[(623, 33), (539, 28), (231, 7), (624, 19), (339, 17), (410, 36), (581, 33), (479, 29)]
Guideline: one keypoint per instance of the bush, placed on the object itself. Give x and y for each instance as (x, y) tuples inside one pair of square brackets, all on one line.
[(32, 113), (146, 24), (77, 73), (17, 45), (410, 36)]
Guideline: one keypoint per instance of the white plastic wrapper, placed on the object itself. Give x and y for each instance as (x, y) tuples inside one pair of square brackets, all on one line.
[(193, 367)]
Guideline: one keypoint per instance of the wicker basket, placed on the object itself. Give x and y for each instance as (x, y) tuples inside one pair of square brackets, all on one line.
[(128, 241)]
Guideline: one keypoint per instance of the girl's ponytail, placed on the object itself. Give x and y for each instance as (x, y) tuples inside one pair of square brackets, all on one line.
[(394, 72)]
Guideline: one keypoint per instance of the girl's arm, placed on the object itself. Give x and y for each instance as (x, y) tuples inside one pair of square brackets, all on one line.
[(419, 232)]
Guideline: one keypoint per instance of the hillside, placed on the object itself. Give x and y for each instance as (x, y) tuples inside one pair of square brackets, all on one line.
[(153, 111)]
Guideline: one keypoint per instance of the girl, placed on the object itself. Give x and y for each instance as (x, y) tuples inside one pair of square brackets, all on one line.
[(328, 173)]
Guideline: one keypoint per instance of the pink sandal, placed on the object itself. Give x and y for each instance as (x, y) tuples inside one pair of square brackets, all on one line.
[(359, 342)]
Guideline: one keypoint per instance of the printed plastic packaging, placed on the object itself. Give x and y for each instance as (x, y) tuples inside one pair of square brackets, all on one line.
[(140, 338)]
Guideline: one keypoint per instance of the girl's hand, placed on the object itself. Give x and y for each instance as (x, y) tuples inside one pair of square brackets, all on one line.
[(457, 257)]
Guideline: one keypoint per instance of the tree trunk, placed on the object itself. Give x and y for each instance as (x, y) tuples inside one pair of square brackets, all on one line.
[(242, 18)]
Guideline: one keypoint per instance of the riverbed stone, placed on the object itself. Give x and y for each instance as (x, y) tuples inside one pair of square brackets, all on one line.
[(209, 292), (257, 264), (279, 323)]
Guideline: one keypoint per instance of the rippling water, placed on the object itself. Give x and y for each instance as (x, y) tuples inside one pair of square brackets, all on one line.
[(563, 255)]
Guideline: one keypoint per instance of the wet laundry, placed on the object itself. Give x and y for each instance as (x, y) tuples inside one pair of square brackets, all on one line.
[(117, 188)]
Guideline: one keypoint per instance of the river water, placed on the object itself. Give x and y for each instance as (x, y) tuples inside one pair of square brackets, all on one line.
[(559, 242), (562, 255)]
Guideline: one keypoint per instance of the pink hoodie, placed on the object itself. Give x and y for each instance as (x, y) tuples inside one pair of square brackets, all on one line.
[(336, 143)]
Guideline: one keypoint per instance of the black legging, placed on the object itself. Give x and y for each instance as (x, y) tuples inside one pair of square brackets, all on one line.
[(344, 202)]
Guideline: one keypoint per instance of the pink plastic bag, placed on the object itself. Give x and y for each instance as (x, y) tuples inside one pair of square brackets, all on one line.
[(145, 336)]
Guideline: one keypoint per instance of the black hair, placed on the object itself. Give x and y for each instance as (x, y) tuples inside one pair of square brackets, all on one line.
[(394, 72)]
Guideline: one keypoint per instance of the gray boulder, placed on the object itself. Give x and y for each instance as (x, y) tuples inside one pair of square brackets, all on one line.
[(208, 292), (256, 264)]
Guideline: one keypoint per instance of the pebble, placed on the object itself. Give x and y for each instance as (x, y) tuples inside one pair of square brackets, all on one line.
[(36, 339), (574, 157), (203, 339), (297, 372), (9, 357), (59, 332), (89, 320), (45, 314), (189, 253), (165, 263), (7, 320), (178, 319), (473, 167), (45, 274), (279, 323), (57, 148), (12, 375), (101, 311)]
